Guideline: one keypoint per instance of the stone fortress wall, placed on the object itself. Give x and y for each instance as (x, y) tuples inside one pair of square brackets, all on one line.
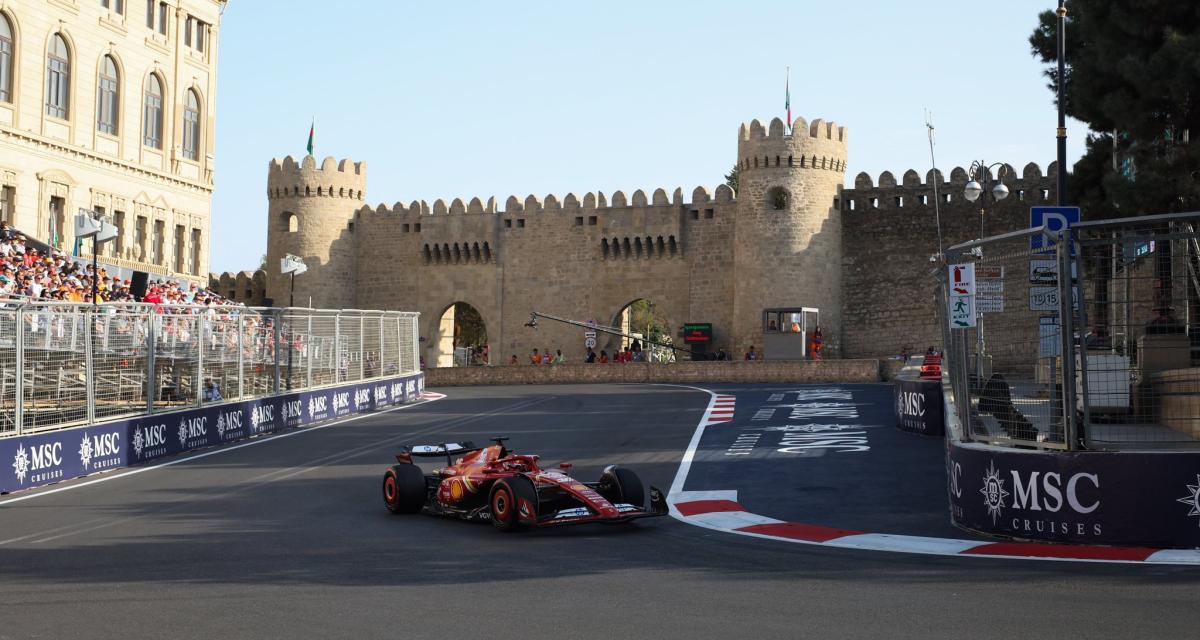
[(860, 255)]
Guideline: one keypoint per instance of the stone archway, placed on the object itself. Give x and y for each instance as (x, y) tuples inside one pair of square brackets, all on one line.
[(459, 337), (642, 319)]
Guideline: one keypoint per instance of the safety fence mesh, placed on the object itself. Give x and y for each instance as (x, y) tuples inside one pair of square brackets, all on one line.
[(64, 364)]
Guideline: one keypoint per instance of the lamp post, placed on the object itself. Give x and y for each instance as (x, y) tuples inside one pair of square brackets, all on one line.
[(982, 171), (290, 265), (90, 224)]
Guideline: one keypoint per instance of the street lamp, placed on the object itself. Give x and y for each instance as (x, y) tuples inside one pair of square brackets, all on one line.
[(290, 265), (982, 171), (91, 224)]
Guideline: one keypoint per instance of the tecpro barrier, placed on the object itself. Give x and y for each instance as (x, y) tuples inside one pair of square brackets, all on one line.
[(36, 460), (920, 407), (1132, 498)]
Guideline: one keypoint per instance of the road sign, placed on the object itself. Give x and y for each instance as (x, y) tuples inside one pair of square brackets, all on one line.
[(1043, 299), (989, 304), (1043, 271), (590, 342), (962, 279), (962, 312), (1056, 219)]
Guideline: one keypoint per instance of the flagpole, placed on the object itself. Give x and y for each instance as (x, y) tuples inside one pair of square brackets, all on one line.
[(787, 96)]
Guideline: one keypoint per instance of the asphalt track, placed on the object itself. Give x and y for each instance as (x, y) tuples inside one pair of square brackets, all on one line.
[(288, 538)]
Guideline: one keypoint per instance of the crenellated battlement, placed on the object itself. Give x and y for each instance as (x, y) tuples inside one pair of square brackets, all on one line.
[(593, 202), (958, 176), (819, 145), (287, 178)]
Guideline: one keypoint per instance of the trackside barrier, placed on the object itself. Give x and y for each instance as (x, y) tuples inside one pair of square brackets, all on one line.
[(40, 459), (919, 406)]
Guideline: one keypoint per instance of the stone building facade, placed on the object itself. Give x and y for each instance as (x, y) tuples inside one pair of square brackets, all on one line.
[(793, 237), (109, 105)]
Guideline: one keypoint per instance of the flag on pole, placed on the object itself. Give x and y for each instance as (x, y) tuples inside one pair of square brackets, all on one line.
[(787, 97), (311, 130)]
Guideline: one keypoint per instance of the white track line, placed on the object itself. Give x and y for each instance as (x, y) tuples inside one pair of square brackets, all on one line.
[(730, 521)]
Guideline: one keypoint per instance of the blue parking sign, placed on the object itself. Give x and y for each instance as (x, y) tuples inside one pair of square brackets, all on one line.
[(1056, 219)]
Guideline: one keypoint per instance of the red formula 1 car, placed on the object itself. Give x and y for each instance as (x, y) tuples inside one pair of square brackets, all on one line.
[(512, 491)]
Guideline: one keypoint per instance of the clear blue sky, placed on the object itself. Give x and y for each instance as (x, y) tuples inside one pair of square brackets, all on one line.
[(472, 98)]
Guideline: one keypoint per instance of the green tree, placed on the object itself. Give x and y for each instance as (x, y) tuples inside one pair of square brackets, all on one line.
[(731, 178), (1133, 77), (469, 330)]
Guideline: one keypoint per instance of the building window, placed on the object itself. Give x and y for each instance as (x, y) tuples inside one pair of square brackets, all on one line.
[(108, 100), (152, 123), (191, 126), (520, 223), (194, 33), (201, 35), (150, 14), (709, 213), (194, 257), (187, 31), (116, 6), (162, 18), (139, 239), (180, 238), (592, 221), (58, 78), (156, 243), (6, 204), (778, 198), (6, 59), (116, 248)]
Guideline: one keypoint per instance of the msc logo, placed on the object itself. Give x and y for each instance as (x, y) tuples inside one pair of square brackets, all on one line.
[(192, 429), (341, 401), (362, 397), (397, 390), (291, 410), (152, 440), (229, 422), (381, 394), (412, 388), (1025, 494), (317, 405), (104, 445), (263, 416), (41, 462), (911, 403)]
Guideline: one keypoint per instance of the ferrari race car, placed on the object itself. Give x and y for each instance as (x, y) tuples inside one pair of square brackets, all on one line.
[(512, 491)]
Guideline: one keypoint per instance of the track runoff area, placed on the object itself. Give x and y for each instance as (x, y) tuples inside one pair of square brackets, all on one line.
[(288, 535)]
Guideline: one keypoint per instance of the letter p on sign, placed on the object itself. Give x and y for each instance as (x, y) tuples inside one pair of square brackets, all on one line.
[(1056, 219)]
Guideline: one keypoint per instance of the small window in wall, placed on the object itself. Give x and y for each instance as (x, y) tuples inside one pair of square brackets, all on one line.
[(837, 203), (709, 213), (924, 200), (899, 201), (874, 203), (1020, 194), (6, 204), (695, 214), (520, 223), (1045, 194), (350, 227), (579, 221), (417, 227), (290, 222), (508, 223), (946, 198), (591, 221), (853, 204), (405, 228), (778, 198)]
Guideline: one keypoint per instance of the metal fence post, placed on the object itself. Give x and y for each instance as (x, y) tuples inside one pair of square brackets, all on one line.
[(89, 366), (1066, 316), (241, 356), (379, 356), (362, 345), (416, 348), (309, 346), (198, 336), (1076, 275), (20, 386), (151, 347), (276, 331), (337, 347)]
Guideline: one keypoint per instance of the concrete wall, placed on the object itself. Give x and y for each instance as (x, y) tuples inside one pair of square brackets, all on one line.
[(682, 372)]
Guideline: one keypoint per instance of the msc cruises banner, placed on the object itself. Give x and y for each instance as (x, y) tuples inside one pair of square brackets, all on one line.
[(919, 407), (35, 460), (1143, 498)]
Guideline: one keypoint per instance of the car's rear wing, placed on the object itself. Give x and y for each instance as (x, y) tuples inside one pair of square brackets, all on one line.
[(435, 450)]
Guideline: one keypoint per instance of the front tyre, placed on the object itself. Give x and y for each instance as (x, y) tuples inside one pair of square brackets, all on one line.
[(404, 488), (619, 485), (513, 503)]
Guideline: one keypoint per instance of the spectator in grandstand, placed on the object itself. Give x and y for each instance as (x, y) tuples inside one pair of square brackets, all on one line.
[(548, 358), (591, 356), (513, 359), (212, 393), (558, 357), (751, 354), (603, 357), (535, 357)]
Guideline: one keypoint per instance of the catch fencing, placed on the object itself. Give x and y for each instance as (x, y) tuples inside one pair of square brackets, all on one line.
[(69, 364), (1085, 340)]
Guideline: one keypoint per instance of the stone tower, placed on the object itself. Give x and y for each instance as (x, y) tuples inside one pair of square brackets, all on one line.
[(788, 236), (310, 215)]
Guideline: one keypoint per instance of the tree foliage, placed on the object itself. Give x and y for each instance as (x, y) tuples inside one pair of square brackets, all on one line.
[(1133, 76), (469, 330), (731, 178)]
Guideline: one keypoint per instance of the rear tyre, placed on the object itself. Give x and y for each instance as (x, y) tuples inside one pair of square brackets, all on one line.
[(513, 503), (622, 485), (404, 488)]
